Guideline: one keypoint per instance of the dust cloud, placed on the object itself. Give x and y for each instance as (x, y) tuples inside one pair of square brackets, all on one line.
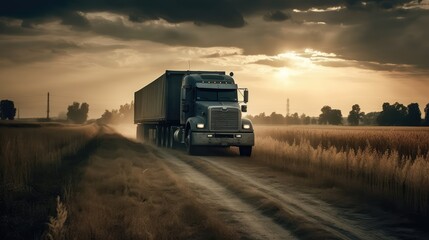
[(127, 130)]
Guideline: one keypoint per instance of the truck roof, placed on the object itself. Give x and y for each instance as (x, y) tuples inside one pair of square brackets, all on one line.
[(193, 72)]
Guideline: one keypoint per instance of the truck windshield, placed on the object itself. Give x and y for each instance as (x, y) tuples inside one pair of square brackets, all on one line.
[(204, 94)]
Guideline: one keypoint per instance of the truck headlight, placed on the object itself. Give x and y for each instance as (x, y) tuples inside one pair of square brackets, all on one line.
[(246, 126), (200, 125)]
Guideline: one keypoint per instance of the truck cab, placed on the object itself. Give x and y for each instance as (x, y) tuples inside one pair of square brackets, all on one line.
[(212, 115)]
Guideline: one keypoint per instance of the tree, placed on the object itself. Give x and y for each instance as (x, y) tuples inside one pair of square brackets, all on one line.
[(106, 118), (76, 113), (335, 117), (305, 119), (392, 115), (414, 116), (276, 118), (293, 119), (126, 112), (313, 120), (426, 122), (330, 116), (355, 115), (261, 118), (370, 118), (324, 116), (7, 110)]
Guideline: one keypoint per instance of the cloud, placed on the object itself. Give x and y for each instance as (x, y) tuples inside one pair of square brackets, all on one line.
[(75, 19), (216, 12), (277, 16), (26, 51), (362, 31), (220, 54), (276, 63), (225, 13)]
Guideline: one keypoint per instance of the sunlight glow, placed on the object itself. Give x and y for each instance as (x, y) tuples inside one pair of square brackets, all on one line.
[(283, 74), (329, 9)]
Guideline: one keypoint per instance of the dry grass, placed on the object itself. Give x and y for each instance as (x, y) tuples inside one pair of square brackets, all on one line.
[(26, 151), (126, 192), (56, 224), (390, 163), (407, 141), (35, 162)]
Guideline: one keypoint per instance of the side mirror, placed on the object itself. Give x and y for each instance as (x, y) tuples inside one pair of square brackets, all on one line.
[(246, 95), (243, 108), (185, 107)]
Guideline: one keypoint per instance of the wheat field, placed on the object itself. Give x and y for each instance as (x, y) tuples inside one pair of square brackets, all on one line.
[(391, 164), (26, 150), (36, 160)]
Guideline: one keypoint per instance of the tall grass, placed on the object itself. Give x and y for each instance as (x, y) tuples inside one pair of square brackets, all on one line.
[(407, 141), (389, 163), (127, 192), (35, 162), (27, 151)]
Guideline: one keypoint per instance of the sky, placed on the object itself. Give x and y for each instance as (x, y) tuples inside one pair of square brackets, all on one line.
[(312, 52)]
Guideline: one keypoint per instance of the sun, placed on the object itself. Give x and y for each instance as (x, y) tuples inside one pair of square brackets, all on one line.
[(283, 74)]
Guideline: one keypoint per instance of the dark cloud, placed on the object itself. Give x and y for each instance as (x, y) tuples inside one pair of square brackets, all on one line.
[(219, 54), (387, 39), (75, 19), (374, 31), (226, 13), (30, 51), (373, 4), (119, 30), (277, 16), (216, 12)]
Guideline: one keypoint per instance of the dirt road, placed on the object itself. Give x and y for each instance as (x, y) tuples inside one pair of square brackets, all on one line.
[(266, 204), (157, 193)]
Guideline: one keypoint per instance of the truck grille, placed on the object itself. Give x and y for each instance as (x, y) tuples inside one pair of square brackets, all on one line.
[(224, 119)]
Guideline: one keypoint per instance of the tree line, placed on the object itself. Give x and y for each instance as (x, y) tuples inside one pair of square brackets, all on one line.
[(395, 114), (78, 113), (125, 114)]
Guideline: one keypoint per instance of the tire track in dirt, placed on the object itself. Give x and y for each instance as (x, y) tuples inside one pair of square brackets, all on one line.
[(304, 218), (317, 212), (250, 222)]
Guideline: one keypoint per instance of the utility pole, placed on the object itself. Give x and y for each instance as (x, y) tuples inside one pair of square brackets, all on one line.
[(287, 107), (47, 112)]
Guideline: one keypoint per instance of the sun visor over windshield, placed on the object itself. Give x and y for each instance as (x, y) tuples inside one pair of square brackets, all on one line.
[(216, 86)]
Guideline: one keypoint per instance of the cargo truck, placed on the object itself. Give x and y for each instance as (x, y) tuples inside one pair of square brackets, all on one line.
[(195, 108)]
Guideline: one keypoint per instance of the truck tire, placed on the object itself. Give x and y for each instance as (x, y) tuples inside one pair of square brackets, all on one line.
[(165, 137), (188, 140), (158, 136), (171, 137), (145, 133), (139, 132), (245, 151)]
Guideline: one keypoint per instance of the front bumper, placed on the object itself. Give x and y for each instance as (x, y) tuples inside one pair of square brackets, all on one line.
[(223, 139)]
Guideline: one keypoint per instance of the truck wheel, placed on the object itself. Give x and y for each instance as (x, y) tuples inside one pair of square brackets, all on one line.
[(145, 133), (139, 132), (157, 136), (171, 137), (189, 147), (246, 151)]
